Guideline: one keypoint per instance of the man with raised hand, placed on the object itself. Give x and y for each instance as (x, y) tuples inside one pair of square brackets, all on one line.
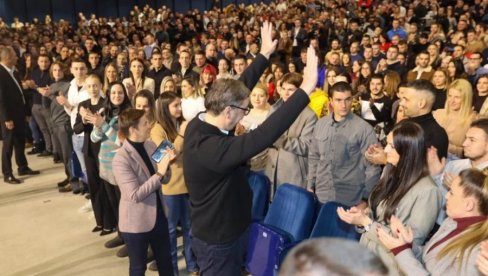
[(215, 161)]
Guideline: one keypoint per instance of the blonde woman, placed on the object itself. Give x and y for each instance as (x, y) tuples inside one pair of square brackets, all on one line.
[(455, 246), (193, 101), (457, 115), (168, 85), (110, 76)]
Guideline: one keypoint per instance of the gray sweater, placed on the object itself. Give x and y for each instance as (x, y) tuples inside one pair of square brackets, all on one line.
[(58, 114)]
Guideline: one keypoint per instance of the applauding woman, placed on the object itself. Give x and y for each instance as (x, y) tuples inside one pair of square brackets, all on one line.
[(405, 190), (454, 248)]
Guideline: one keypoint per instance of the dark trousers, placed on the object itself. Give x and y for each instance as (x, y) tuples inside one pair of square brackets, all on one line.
[(62, 134), (42, 117), (220, 259), (13, 140), (112, 193), (158, 239), (98, 195)]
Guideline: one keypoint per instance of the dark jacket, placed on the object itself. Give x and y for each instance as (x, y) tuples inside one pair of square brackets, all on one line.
[(12, 104), (435, 135)]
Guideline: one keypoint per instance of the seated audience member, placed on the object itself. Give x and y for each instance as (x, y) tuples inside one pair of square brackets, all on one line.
[(454, 247), (423, 70), (405, 190), (142, 221), (287, 160), (440, 82), (482, 261), (331, 256), (480, 104), (457, 115)]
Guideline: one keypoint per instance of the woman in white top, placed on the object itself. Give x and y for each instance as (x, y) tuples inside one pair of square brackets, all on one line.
[(257, 115), (137, 79), (193, 101)]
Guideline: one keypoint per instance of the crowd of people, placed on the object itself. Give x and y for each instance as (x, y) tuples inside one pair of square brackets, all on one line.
[(379, 106)]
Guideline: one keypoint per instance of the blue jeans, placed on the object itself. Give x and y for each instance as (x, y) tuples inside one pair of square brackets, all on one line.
[(77, 148), (36, 132), (157, 238), (179, 210), (220, 259)]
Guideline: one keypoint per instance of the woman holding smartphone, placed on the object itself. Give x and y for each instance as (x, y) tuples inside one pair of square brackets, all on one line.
[(170, 126), (142, 221)]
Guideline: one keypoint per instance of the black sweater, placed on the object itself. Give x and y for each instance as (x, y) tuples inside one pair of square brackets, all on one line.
[(216, 172), (435, 135)]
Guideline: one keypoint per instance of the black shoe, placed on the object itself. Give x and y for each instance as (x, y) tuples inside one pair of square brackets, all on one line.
[(153, 266), (28, 171), (45, 154), (115, 242), (106, 232), (63, 183), (66, 189), (97, 229), (76, 191), (10, 179), (34, 150), (123, 252)]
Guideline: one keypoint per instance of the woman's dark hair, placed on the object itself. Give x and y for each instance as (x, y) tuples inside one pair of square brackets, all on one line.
[(143, 75), (163, 116), (409, 142), (112, 110), (460, 72)]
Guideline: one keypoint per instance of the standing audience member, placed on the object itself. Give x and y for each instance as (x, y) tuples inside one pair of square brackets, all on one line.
[(158, 72), (440, 82), (12, 118), (142, 221), (89, 112), (337, 170), (170, 126), (287, 160), (137, 79), (193, 98), (110, 76)]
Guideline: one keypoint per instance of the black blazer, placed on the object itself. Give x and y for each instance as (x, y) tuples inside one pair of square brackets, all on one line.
[(12, 106), (89, 148)]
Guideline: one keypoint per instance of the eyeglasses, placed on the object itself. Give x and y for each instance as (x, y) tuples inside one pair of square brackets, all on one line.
[(246, 110)]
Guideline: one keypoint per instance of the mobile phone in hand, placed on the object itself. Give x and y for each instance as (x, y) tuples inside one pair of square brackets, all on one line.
[(159, 153)]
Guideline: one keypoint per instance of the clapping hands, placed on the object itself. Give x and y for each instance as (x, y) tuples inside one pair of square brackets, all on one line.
[(399, 236)]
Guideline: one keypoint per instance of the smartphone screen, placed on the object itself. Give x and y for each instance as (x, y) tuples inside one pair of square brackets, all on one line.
[(158, 154)]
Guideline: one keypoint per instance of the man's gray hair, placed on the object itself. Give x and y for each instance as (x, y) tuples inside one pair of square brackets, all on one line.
[(223, 93)]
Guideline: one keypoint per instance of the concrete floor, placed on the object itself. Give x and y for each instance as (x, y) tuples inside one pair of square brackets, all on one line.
[(43, 233)]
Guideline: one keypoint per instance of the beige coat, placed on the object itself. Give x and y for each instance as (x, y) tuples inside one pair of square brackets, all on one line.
[(430, 265), (455, 128), (419, 209), (288, 158), (176, 185)]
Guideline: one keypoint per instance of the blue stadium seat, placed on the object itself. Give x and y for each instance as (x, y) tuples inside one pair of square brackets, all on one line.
[(289, 220), (260, 186), (328, 224)]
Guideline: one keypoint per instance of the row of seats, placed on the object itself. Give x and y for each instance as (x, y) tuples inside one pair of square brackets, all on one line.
[(292, 217)]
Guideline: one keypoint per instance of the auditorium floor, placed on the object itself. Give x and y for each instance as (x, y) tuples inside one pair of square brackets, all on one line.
[(42, 232)]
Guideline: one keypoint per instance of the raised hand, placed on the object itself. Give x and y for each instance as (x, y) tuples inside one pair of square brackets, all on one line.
[(375, 154), (268, 44), (310, 72)]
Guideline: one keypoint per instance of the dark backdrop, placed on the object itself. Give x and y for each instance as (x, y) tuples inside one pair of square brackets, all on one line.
[(68, 9)]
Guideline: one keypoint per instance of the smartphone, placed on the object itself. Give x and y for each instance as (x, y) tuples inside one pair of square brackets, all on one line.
[(158, 154)]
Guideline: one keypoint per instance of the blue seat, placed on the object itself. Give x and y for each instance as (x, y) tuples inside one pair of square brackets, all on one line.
[(328, 224), (260, 186), (289, 220)]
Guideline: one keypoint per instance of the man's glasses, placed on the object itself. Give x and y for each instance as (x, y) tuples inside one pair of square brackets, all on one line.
[(246, 110)]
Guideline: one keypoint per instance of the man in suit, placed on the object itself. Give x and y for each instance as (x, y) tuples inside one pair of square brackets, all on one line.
[(12, 118)]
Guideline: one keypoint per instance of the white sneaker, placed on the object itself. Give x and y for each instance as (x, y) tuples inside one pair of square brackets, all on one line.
[(86, 208)]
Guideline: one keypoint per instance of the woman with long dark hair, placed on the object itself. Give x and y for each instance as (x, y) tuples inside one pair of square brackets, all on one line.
[(137, 79), (170, 125), (106, 130), (405, 190)]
